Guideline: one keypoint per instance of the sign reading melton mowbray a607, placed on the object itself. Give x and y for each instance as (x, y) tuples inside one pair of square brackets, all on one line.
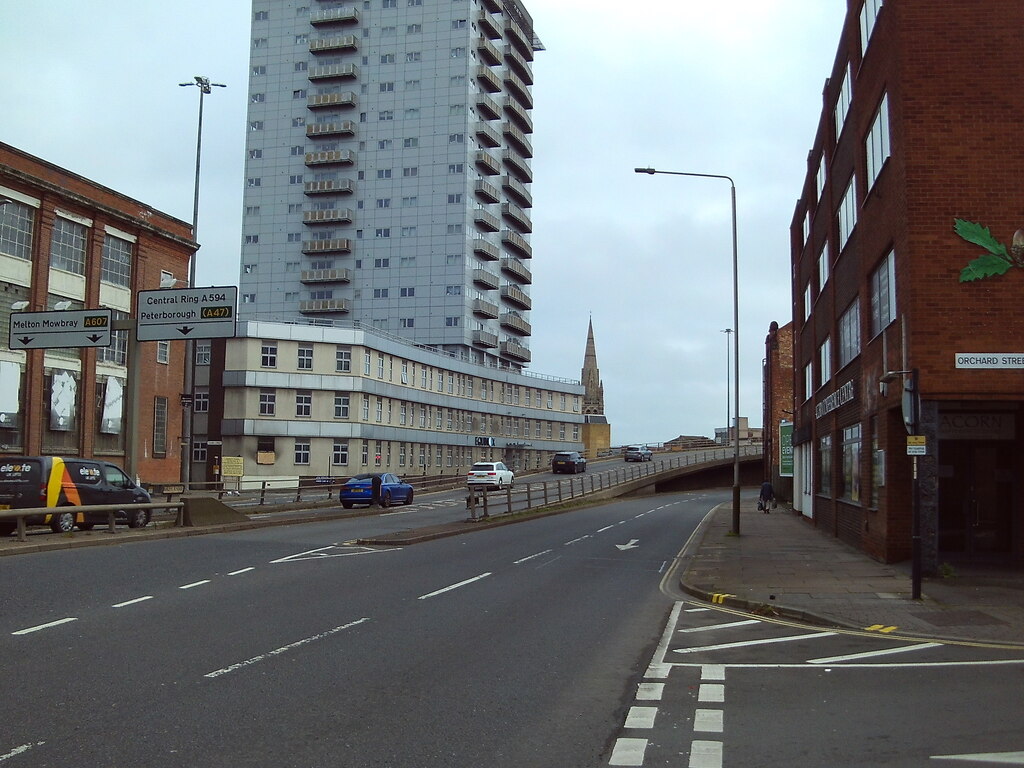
[(188, 313), (49, 330)]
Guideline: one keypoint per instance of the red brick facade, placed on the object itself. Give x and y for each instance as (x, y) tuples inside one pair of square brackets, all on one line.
[(778, 404), (37, 193), (950, 72)]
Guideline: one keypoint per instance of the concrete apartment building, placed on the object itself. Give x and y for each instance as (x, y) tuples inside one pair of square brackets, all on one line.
[(68, 242), (388, 170), (919, 127)]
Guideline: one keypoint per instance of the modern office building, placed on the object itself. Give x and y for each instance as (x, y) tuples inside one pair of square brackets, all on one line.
[(919, 128), (388, 171), (68, 243)]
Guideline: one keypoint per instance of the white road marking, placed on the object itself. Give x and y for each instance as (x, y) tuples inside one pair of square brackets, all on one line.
[(997, 758), (30, 630), (641, 717), (697, 610), (721, 626), (194, 584), (711, 692), (574, 541), (870, 654), (19, 750), (886, 666), (454, 586), (765, 641), (322, 552), (709, 721), (628, 752), (606, 528), (658, 667), (283, 649), (132, 602), (706, 754), (242, 570), (650, 691), (632, 544), (712, 672), (392, 514), (531, 557)]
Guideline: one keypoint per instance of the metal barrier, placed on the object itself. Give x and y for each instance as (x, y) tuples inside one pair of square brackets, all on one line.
[(111, 509)]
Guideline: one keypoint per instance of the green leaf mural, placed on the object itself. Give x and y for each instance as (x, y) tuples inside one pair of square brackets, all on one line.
[(996, 262)]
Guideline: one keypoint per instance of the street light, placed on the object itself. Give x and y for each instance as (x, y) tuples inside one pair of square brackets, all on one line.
[(205, 86), (736, 339), (728, 415)]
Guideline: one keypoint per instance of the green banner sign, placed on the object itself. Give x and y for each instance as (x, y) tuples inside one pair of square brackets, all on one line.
[(785, 449)]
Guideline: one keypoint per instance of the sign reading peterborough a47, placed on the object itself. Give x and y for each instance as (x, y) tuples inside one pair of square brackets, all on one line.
[(187, 313), (68, 328)]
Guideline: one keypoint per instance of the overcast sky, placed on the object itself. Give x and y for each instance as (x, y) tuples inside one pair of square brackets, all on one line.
[(729, 88)]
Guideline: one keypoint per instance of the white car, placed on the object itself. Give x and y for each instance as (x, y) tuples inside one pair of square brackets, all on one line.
[(490, 474)]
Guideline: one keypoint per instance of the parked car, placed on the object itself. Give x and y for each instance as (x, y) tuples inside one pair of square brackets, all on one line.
[(568, 461), (359, 490), (638, 453), (490, 474), (64, 483)]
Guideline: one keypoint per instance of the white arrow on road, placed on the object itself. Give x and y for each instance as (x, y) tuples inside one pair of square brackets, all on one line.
[(633, 544), (996, 758)]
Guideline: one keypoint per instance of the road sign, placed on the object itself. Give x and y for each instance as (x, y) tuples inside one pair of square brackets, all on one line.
[(187, 313), (70, 328), (917, 445)]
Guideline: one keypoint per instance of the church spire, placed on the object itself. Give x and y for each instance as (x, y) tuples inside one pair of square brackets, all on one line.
[(590, 377)]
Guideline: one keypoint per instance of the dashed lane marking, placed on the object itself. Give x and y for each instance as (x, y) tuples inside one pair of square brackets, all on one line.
[(641, 717), (39, 627), (454, 586), (713, 693), (650, 691), (126, 603), (628, 752), (194, 584), (709, 721), (706, 754)]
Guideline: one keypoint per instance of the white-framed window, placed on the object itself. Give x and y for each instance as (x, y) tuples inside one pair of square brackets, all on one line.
[(823, 268), (868, 16), (851, 463), (808, 381), (876, 147), (302, 451), (304, 362), (68, 245), (202, 352), (824, 474), (843, 102), (199, 450), (341, 405), (201, 402), (807, 301), (17, 223), (819, 181), (304, 403), (883, 294), (268, 354), (116, 265), (849, 334), (847, 213), (339, 454), (825, 362), (343, 359), (163, 352), (268, 402)]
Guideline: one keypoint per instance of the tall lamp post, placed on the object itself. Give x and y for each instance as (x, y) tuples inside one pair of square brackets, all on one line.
[(736, 339), (728, 413), (205, 86)]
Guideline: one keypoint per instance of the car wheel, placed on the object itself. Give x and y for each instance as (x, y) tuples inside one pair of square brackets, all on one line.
[(138, 518), (385, 499), (62, 522), (347, 504), (408, 499)]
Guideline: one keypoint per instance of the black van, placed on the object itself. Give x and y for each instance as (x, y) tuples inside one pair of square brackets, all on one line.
[(53, 481)]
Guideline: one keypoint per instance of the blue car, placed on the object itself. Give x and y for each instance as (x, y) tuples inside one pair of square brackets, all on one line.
[(359, 490)]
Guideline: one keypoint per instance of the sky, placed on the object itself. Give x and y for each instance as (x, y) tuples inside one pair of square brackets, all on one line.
[(731, 88)]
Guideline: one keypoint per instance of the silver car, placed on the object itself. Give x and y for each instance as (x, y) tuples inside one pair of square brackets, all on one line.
[(490, 474), (639, 453)]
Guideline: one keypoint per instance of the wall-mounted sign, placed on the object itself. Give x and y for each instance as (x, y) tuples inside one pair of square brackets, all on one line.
[(785, 448), (989, 360), (917, 445), (837, 399)]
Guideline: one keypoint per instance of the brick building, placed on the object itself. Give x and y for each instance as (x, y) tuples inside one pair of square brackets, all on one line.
[(920, 126), (68, 241), (778, 409)]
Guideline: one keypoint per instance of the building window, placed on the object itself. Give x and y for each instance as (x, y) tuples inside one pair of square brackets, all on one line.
[(67, 246), (117, 352), (163, 352), (843, 103), (819, 182), (883, 294), (199, 451), (343, 359), (877, 145), (201, 402), (117, 261), (339, 454), (268, 354), (825, 465), (365, 412), (849, 334), (409, 172), (807, 301), (159, 426), (304, 403), (341, 405), (851, 463), (825, 362), (848, 212), (823, 271), (302, 451), (268, 402), (456, 168), (305, 358), (868, 16)]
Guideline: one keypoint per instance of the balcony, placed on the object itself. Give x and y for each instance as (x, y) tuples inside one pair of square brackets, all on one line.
[(486, 220), (485, 339), (340, 216), (489, 25), (515, 35), (486, 163), (517, 191), (331, 157), (344, 186), (494, 6), (515, 323), (519, 64), (486, 250), (516, 296), (486, 192), (517, 216), (486, 280), (312, 276), (328, 100), (316, 306), (487, 107), (488, 52), (510, 265), (333, 72), (337, 245), (334, 16), (345, 43), (519, 167), (485, 308), (518, 139), (489, 81), (516, 242), (334, 128), (519, 115), (487, 136), (514, 349), (519, 89)]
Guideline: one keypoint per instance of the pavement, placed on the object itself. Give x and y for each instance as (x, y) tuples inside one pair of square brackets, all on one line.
[(781, 565)]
